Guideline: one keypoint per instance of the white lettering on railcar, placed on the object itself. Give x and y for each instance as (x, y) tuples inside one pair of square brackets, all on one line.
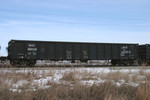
[(32, 49), (28, 53), (68, 54), (124, 47), (85, 54), (31, 45), (34, 53), (31, 53), (124, 51)]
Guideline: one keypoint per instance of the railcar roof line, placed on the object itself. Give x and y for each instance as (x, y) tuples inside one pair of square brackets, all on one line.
[(73, 42)]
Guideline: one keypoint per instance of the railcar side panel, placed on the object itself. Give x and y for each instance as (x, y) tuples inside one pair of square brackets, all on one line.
[(133, 50), (115, 52), (101, 52), (51, 51), (148, 52), (84, 52), (18, 50), (124, 52), (68, 51), (41, 50), (92, 52), (144, 54), (76, 52), (108, 52), (31, 50), (60, 49)]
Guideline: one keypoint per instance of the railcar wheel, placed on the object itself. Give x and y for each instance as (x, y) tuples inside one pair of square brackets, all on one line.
[(114, 62), (131, 62), (140, 62), (72, 61), (31, 63), (14, 62), (84, 60), (125, 62)]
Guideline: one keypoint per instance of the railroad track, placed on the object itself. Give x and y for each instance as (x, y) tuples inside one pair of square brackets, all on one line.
[(97, 66)]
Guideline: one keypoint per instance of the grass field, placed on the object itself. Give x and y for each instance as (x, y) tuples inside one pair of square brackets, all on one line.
[(75, 83)]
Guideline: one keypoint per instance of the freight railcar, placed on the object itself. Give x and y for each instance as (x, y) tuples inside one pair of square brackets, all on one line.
[(22, 52), (144, 54)]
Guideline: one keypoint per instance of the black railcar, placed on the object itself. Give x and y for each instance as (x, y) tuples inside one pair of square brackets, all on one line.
[(144, 54), (27, 52)]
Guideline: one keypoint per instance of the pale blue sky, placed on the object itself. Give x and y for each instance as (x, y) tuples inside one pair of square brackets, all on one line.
[(123, 21)]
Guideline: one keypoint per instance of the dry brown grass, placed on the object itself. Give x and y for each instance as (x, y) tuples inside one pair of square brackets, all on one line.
[(115, 76), (69, 76), (105, 91), (15, 77), (60, 91), (111, 97), (5, 65), (143, 92), (86, 75)]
